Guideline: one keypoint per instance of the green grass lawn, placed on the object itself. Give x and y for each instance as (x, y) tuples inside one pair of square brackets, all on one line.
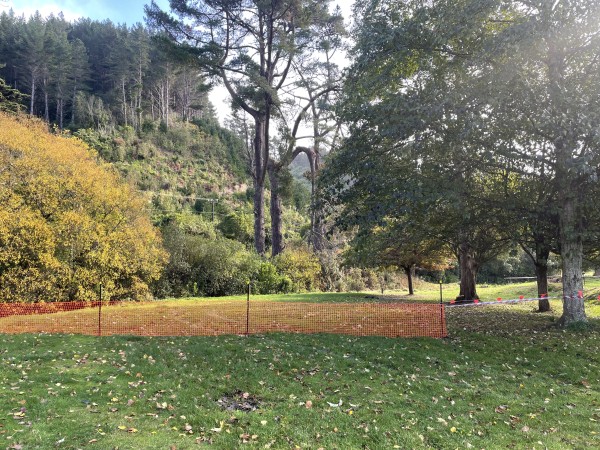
[(495, 383)]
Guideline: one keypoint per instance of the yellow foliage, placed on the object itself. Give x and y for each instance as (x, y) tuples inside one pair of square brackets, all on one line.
[(301, 266), (67, 222)]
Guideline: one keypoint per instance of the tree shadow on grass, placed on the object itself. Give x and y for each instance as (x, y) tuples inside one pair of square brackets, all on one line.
[(507, 320)]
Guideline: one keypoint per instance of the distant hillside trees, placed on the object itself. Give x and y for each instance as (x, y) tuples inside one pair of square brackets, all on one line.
[(96, 74), (67, 223)]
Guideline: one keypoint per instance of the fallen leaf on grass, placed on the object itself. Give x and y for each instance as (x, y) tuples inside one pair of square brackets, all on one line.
[(219, 429)]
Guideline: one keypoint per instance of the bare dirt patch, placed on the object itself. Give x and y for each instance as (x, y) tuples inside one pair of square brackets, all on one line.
[(239, 401)]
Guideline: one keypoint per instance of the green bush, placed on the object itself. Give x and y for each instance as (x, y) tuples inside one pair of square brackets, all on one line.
[(268, 281), (200, 265), (354, 281), (221, 266), (238, 226), (301, 266)]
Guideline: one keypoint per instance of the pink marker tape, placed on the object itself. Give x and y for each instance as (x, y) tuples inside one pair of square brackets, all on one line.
[(580, 294)]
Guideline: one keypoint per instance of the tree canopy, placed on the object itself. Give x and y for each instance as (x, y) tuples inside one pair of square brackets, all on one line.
[(251, 47), (460, 107)]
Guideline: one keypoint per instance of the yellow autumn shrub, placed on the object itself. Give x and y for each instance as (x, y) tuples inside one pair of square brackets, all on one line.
[(68, 223)]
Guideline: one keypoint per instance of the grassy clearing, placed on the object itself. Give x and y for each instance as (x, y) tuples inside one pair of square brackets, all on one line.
[(431, 292), (485, 387)]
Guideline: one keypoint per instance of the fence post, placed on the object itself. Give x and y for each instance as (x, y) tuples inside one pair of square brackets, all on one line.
[(248, 311), (100, 313), (442, 321)]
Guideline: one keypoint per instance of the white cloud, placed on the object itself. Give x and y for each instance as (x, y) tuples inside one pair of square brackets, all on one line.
[(71, 9), (28, 8)]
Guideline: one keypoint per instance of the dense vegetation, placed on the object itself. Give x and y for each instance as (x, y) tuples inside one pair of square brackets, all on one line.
[(473, 129), (68, 223), (145, 111), (441, 172), (97, 74)]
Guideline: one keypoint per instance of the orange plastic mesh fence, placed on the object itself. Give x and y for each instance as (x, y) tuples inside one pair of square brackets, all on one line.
[(216, 317)]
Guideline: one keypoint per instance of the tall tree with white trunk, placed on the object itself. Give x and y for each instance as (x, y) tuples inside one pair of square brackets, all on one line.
[(249, 46)]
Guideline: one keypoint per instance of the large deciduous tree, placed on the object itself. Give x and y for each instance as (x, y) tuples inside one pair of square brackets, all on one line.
[(542, 80), (413, 146), (250, 46), (510, 82)]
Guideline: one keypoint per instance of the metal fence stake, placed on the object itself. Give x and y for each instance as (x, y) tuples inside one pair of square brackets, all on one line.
[(100, 312), (248, 311)]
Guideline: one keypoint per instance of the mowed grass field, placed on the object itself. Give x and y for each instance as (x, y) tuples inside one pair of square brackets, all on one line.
[(505, 378)]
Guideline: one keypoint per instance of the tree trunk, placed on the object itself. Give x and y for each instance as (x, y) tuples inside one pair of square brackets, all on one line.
[(571, 247), (572, 256), (276, 210), (167, 103), (259, 218), (317, 223), (60, 107), (46, 105), (73, 105), (541, 273), (32, 100), (542, 252), (259, 185), (410, 272), (152, 105), (468, 274), (124, 100)]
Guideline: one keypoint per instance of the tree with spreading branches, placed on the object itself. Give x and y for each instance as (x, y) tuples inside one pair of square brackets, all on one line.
[(250, 46)]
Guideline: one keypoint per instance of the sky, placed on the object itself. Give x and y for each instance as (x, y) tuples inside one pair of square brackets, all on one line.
[(119, 11)]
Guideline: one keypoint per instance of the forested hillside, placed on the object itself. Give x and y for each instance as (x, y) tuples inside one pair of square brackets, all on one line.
[(117, 89), (97, 74), (146, 113)]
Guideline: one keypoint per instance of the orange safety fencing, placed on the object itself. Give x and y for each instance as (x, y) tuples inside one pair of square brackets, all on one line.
[(217, 317)]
